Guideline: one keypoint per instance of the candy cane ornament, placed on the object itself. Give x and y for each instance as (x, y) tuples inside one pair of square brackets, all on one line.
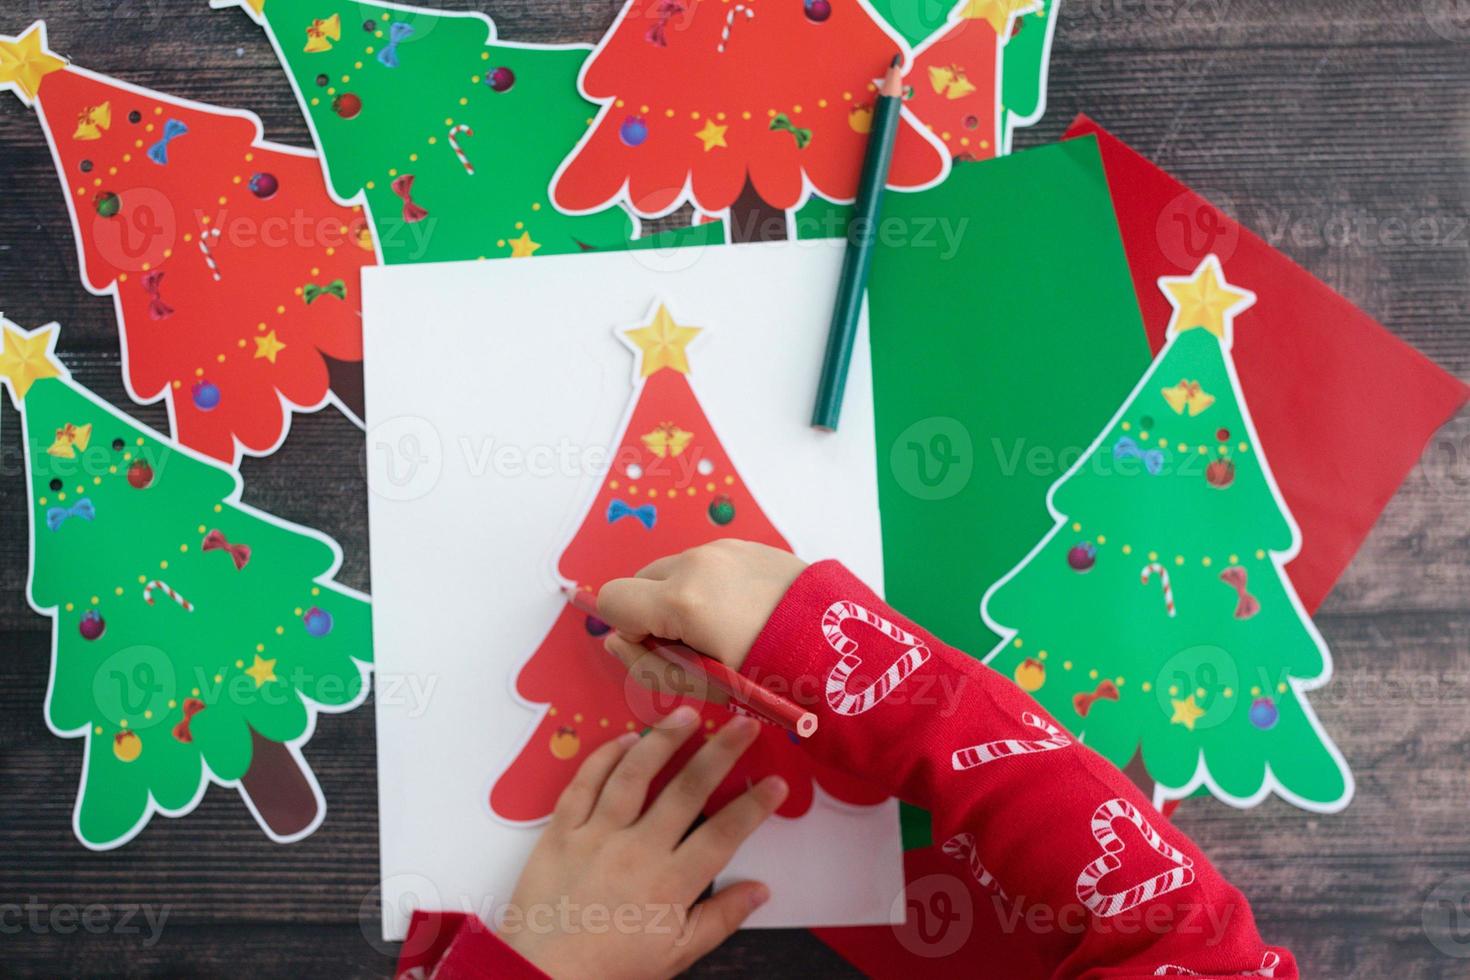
[(454, 132), (1154, 568), (979, 755), (209, 233), (839, 698), (739, 8), (1108, 904), (163, 587), (961, 847)]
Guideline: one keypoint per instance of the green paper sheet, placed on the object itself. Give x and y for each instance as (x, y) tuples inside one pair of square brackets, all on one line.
[(1005, 333), (1182, 636)]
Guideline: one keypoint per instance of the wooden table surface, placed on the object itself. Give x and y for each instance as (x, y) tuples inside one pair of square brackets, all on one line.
[(1315, 122)]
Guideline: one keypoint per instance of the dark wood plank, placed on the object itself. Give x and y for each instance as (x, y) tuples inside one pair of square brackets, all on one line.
[(1319, 123)]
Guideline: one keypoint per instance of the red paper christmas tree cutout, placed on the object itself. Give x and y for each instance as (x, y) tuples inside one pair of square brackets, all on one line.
[(744, 106), (236, 275), (671, 487)]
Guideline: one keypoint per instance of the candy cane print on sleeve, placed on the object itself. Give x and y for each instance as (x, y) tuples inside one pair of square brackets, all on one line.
[(978, 755), (1108, 904), (961, 847), (1269, 962), (846, 702)]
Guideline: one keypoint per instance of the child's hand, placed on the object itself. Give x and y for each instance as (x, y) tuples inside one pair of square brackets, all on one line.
[(608, 892), (715, 598)]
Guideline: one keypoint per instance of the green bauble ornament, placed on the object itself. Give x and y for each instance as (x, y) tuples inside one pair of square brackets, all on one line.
[(722, 510)]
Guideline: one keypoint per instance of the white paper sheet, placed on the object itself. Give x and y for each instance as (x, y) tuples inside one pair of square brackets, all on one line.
[(495, 391)]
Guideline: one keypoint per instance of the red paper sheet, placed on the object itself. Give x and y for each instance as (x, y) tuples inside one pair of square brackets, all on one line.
[(1339, 448)]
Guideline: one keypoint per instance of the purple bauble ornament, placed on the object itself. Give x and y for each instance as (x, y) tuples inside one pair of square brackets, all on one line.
[(597, 627), (318, 621), (92, 625), (347, 105), (500, 79), (1082, 556), (1264, 714), (817, 10), (206, 395), (264, 186), (633, 131)]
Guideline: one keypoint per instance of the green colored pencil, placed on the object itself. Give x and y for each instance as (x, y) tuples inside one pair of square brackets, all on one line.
[(862, 232)]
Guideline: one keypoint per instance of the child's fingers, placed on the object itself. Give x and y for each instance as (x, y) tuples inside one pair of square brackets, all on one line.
[(715, 919), (687, 793), (626, 787), (634, 606), (580, 795), (705, 852), (657, 674)]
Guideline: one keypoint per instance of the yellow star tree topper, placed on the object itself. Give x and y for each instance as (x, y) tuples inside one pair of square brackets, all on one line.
[(662, 343), (25, 61), (27, 357), (1204, 300)]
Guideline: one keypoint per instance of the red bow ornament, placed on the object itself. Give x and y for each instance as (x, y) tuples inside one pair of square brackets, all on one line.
[(215, 541), (403, 187), (1248, 605)]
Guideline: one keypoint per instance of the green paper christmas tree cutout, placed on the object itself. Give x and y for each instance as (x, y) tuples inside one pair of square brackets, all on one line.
[(194, 637), (450, 136), (1025, 56), (1156, 615)]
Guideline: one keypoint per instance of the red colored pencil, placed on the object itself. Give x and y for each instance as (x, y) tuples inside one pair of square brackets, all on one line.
[(767, 705)]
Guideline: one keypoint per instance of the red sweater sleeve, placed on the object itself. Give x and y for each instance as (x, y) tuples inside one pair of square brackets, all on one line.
[(456, 946), (1043, 824)]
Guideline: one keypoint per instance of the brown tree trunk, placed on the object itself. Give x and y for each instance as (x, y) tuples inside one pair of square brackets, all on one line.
[(279, 789), (1138, 775), (345, 378), (753, 220)]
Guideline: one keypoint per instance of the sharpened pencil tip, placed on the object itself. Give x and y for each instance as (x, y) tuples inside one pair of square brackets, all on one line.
[(897, 60)]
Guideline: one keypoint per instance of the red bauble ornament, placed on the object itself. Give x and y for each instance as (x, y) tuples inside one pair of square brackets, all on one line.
[(347, 105), (1220, 474), (140, 475), (1222, 434)]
